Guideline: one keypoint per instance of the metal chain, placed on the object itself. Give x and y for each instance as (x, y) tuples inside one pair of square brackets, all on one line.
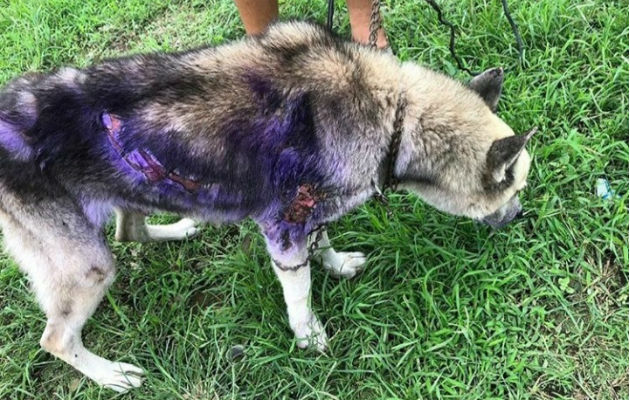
[(375, 22), (330, 15), (319, 233), (451, 26), (451, 44), (284, 267), (517, 35), (390, 180), (312, 248)]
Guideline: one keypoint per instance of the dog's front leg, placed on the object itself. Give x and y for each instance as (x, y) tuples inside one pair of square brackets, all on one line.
[(339, 263), (289, 258)]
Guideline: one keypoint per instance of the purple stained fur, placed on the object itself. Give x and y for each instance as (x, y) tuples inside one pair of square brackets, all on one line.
[(136, 160), (268, 154), (97, 211), (265, 95), (94, 140), (106, 118), (146, 163), (143, 160), (288, 156), (13, 141)]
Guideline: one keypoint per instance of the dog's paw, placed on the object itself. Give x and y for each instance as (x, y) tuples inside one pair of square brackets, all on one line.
[(310, 333), (180, 230), (187, 228), (119, 376), (344, 264)]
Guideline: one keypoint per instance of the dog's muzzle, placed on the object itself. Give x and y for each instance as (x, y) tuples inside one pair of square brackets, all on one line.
[(504, 215)]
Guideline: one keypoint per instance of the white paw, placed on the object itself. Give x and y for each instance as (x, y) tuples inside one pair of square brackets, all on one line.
[(185, 228), (119, 376), (310, 333), (343, 264), (182, 229)]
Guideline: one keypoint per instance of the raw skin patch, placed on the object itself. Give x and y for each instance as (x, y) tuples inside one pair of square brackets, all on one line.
[(303, 204), (142, 160)]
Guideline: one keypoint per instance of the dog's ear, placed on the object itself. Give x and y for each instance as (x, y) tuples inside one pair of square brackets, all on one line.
[(488, 85), (504, 152)]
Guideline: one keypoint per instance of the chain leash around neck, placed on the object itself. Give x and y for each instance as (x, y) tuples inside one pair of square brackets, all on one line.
[(390, 182)]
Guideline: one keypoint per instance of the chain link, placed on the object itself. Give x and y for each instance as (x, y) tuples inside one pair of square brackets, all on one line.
[(314, 246), (390, 180), (375, 22)]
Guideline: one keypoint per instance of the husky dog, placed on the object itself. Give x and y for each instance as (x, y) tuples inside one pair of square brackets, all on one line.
[(293, 129)]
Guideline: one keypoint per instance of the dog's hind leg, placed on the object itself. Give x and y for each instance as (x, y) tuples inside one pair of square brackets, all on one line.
[(340, 264), (70, 268), (132, 226)]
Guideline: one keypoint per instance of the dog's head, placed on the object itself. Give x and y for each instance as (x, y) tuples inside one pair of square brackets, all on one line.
[(460, 156)]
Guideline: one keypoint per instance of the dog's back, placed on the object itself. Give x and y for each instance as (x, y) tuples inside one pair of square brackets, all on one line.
[(216, 132)]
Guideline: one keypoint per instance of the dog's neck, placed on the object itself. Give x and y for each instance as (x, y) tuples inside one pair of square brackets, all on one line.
[(431, 106), (389, 179)]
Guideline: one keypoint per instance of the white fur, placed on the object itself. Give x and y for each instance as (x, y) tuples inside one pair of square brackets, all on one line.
[(68, 347), (71, 76), (131, 226), (70, 270), (182, 229), (296, 287), (340, 264)]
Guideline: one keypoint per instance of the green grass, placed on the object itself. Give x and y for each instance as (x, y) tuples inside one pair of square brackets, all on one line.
[(445, 308)]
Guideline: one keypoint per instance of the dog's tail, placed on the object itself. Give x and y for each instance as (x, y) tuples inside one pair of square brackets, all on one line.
[(18, 114)]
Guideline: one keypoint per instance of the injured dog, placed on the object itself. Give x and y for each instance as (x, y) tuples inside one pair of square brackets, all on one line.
[(293, 129)]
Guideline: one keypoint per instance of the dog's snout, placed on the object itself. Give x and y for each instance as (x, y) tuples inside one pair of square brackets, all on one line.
[(510, 211)]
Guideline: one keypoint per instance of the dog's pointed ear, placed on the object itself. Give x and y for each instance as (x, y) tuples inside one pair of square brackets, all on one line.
[(488, 85), (504, 152)]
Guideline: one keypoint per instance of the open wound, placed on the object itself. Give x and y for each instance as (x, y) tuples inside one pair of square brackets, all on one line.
[(303, 203), (142, 160)]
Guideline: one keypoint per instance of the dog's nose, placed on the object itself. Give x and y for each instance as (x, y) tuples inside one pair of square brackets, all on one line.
[(520, 214)]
